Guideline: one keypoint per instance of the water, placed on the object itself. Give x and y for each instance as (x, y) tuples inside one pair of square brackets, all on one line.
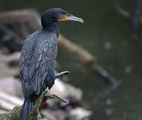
[(117, 46)]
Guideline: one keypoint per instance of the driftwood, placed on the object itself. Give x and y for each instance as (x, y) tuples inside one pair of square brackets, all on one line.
[(79, 52), (31, 18), (122, 12)]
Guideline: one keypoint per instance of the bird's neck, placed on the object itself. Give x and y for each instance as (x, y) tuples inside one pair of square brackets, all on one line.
[(52, 27)]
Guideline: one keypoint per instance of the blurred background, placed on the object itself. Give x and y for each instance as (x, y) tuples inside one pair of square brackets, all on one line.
[(113, 40)]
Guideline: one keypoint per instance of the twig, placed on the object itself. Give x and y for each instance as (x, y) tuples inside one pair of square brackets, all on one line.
[(56, 98), (122, 12)]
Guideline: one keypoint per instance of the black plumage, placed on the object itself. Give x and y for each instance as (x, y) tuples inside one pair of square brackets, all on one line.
[(38, 57)]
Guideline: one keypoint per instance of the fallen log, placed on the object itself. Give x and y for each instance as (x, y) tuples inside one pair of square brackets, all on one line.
[(83, 55), (122, 12)]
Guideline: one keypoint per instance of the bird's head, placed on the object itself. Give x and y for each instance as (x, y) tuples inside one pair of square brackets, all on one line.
[(56, 15)]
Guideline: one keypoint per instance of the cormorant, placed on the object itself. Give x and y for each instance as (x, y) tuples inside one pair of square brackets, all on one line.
[(38, 57)]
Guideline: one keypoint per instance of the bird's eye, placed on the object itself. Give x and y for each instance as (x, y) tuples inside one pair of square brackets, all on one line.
[(68, 14)]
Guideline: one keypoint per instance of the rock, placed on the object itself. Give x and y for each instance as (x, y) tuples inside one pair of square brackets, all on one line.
[(48, 115), (53, 114), (79, 113), (60, 115)]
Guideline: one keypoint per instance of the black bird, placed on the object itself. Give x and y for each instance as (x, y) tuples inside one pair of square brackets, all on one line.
[(38, 57)]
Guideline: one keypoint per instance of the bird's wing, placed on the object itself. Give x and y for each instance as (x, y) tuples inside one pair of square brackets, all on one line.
[(37, 58), (45, 59)]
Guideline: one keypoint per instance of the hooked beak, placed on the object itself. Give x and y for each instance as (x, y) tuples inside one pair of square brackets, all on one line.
[(72, 18)]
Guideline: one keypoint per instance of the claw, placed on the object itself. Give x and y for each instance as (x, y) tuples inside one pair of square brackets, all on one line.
[(62, 73)]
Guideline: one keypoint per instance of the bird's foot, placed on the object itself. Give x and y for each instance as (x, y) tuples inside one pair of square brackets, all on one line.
[(53, 96), (62, 73)]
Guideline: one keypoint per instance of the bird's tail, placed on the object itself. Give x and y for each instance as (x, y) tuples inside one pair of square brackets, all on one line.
[(26, 109)]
